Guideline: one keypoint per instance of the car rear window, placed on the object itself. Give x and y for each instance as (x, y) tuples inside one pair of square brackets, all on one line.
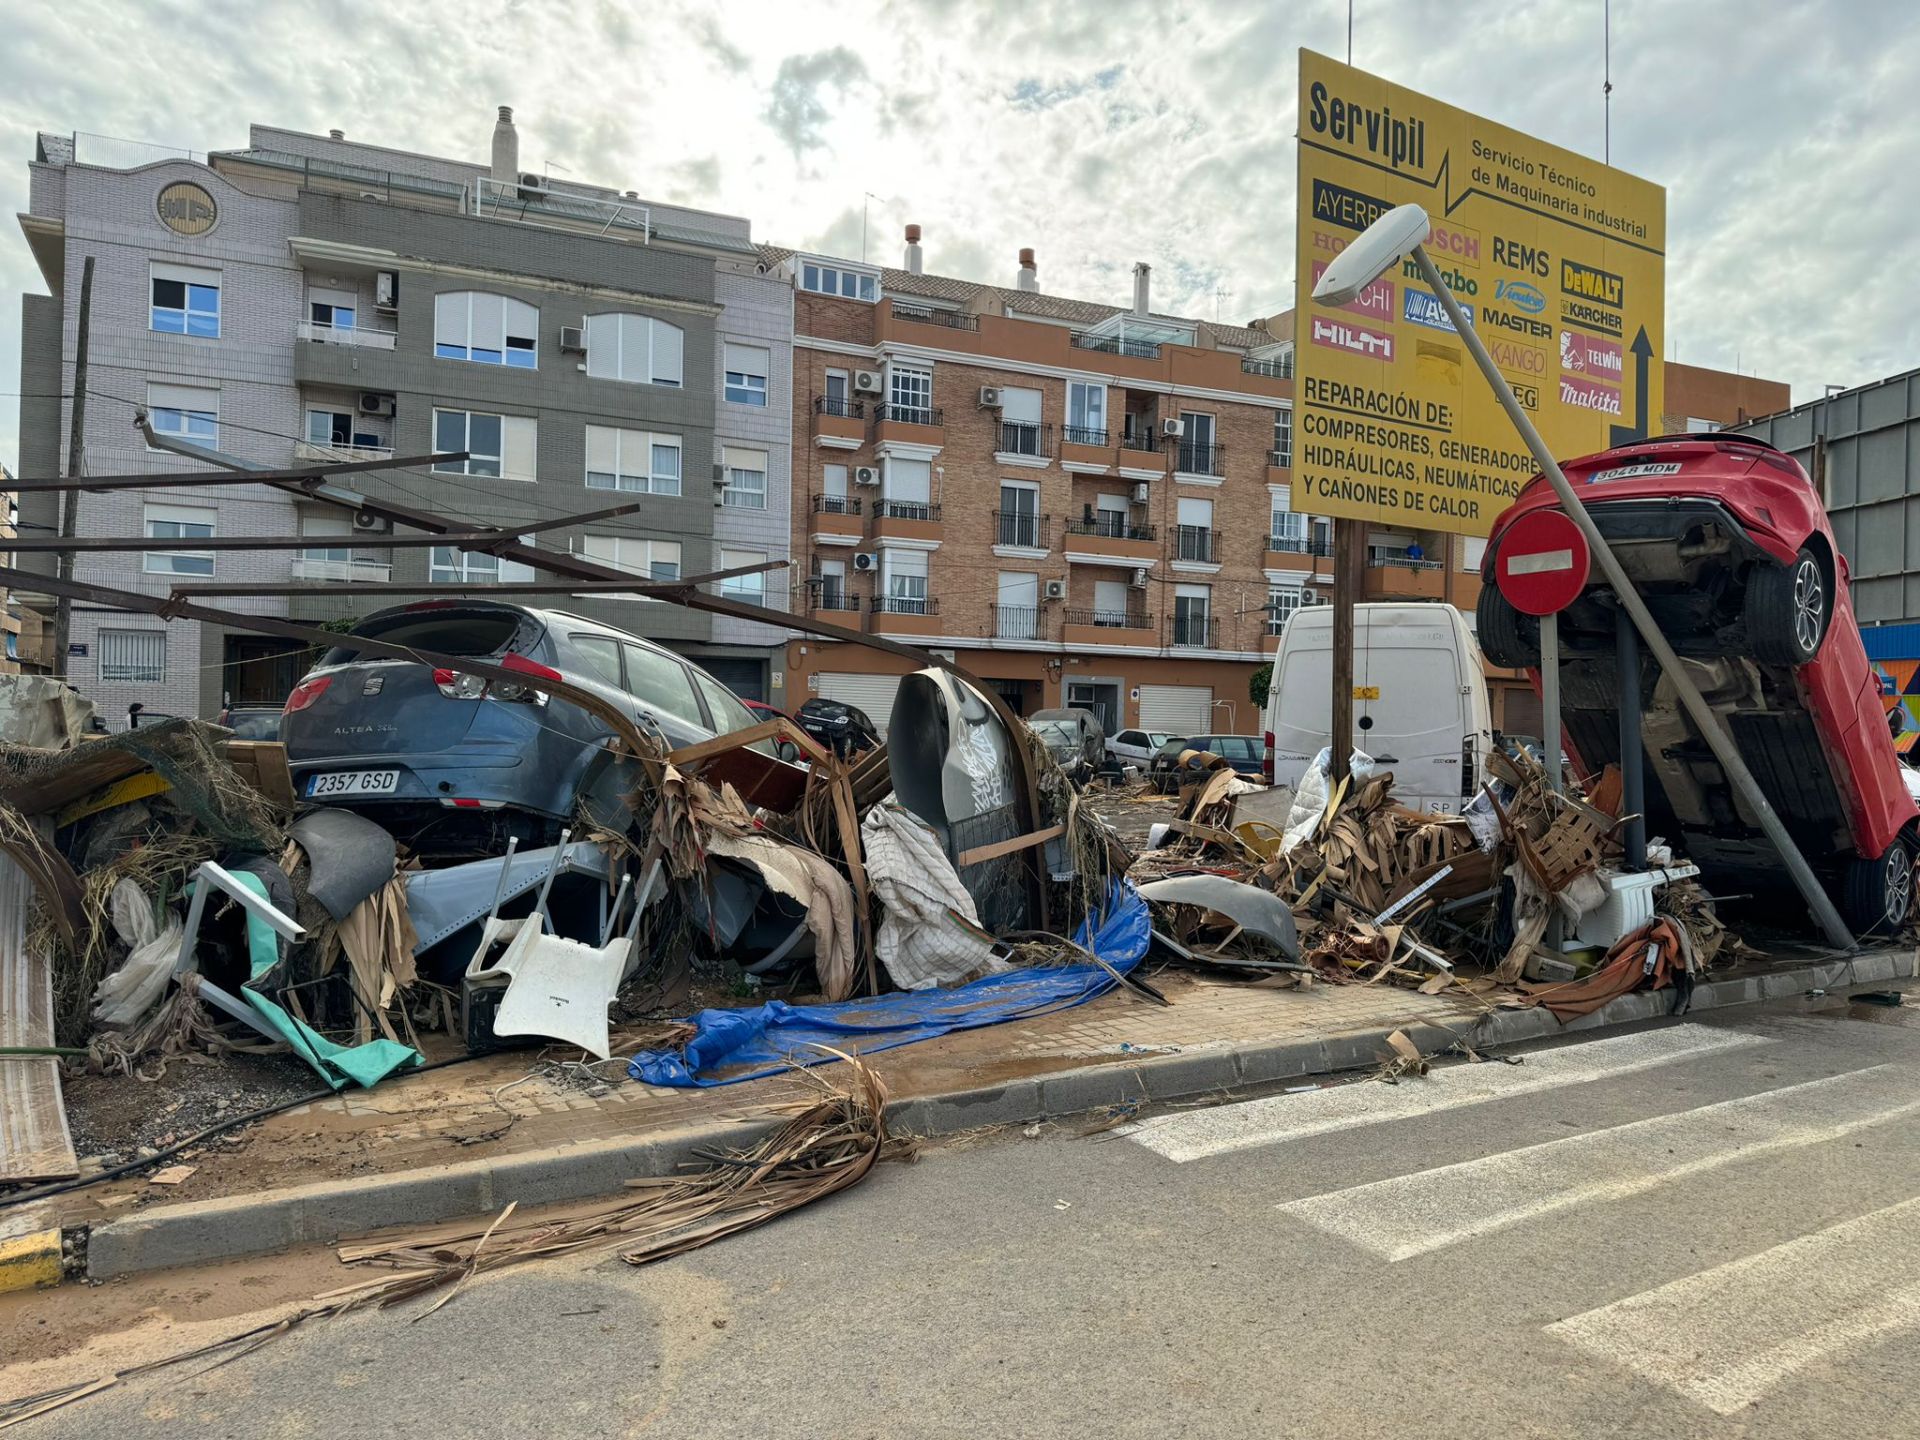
[(451, 632), (661, 682)]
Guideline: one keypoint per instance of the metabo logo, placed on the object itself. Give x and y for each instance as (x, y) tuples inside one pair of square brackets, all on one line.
[(1520, 295), (1398, 140), (1586, 283), (1458, 283)]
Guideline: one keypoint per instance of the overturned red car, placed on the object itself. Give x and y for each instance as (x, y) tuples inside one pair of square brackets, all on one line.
[(1728, 543)]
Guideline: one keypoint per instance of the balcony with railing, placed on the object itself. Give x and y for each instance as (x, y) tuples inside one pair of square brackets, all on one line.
[(1106, 537), (1275, 367), (339, 566), (1087, 450), (1194, 545), (1100, 625), (1141, 439), (839, 423), (1280, 459), (1194, 458), (1116, 345), (328, 454), (909, 424), (1024, 443), (837, 516), (367, 337), (905, 614), (906, 520), (928, 315), (1022, 529), (835, 602), (1193, 632), (1394, 575), (1017, 622), (1301, 551)]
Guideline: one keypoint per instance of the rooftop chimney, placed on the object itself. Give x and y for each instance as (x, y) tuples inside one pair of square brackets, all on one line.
[(336, 134), (1142, 274), (1029, 275), (913, 249), (506, 149)]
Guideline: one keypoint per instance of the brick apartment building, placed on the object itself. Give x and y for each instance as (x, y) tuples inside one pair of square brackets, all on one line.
[(308, 296), (1084, 504)]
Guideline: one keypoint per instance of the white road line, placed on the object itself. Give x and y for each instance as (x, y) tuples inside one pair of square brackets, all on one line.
[(1196, 1134), (1410, 1215), (1727, 1336)]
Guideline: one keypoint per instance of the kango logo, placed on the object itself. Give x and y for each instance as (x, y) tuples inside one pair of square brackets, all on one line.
[(1583, 394), (1353, 338), (1515, 358), (1375, 302), (1589, 355)]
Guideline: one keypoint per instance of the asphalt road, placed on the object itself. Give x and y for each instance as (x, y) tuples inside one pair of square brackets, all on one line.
[(1702, 1229)]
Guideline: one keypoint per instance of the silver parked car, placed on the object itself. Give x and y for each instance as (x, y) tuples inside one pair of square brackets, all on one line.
[(1137, 747)]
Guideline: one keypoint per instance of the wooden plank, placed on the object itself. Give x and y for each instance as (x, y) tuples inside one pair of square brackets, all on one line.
[(1007, 847), (35, 1143), (843, 808), (706, 749)]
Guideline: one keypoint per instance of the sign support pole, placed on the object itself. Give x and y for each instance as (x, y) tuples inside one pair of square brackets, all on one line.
[(1633, 756), (1550, 700), (1349, 557), (1724, 750)]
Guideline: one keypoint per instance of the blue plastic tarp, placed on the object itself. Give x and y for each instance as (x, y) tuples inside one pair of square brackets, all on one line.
[(729, 1046)]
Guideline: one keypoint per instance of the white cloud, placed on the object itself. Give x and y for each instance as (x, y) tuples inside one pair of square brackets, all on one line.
[(1099, 132)]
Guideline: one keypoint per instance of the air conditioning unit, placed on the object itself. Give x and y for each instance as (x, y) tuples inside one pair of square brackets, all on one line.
[(1056, 590), (1173, 429), (386, 290), (866, 475), (372, 402), (868, 382), (1141, 492), (366, 520), (989, 396), (573, 340), (533, 185), (866, 560), (1140, 579)]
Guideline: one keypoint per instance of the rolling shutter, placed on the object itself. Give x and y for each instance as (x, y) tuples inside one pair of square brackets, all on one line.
[(871, 693), (1176, 709)]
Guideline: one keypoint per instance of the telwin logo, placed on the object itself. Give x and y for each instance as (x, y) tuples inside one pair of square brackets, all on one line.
[(1354, 339), (1590, 355), (1584, 394)]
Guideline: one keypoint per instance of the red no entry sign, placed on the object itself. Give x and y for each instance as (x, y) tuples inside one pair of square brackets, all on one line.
[(1543, 563)]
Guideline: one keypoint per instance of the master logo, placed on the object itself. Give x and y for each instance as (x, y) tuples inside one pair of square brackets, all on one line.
[(1586, 283), (1517, 324), (1520, 295)]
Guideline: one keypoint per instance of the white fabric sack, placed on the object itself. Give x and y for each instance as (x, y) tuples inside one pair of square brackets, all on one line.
[(920, 942), (125, 997)]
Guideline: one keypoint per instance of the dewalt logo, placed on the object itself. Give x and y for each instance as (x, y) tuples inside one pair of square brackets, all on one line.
[(1583, 282)]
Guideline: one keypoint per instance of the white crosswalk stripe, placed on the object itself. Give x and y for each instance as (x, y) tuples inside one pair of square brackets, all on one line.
[(1727, 1336), (1410, 1215), (1197, 1134)]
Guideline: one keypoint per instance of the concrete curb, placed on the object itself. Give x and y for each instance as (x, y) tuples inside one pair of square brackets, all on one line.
[(210, 1230), (31, 1261)]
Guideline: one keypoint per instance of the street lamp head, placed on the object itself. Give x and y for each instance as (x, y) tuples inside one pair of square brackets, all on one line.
[(1378, 250)]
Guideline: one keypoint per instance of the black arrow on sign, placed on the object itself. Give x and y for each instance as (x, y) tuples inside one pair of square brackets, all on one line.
[(1642, 353)]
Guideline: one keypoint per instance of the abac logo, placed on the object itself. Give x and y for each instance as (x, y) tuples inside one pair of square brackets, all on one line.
[(1520, 295), (1423, 307), (1456, 282)]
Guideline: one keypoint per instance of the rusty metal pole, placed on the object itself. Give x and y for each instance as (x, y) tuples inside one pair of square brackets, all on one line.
[(76, 448), (1349, 560)]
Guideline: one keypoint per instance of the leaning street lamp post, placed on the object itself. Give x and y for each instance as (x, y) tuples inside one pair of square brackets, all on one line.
[(1405, 229)]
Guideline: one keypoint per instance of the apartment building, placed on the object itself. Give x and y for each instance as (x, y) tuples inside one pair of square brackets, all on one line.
[(16, 648), (1084, 504), (314, 297)]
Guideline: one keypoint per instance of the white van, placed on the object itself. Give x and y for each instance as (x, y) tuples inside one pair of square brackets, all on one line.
[(1420, 703)]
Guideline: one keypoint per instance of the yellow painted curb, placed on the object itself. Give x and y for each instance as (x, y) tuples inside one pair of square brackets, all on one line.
[(29, 1261)]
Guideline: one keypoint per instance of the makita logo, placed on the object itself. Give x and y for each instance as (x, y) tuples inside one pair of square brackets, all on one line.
[(1353, 338), (1589, 395)]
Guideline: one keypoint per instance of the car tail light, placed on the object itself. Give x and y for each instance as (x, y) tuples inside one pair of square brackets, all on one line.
[(456, 686), (306, 692), (507, 690), (1266, 759)]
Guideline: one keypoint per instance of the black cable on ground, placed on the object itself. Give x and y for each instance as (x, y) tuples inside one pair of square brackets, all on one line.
[(47, 1192)]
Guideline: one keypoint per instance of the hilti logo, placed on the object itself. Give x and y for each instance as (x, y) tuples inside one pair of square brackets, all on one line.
[(1354, 339)]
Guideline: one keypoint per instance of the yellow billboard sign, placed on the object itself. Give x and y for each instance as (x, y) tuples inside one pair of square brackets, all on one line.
[(1557, 260)]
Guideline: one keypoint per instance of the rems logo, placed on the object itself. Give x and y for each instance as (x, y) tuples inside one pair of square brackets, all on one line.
[(1527, 259), (1520, 295), (1461, 285)]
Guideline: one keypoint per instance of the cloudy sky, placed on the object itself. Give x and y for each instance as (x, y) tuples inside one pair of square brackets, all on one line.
[(1100, 133)]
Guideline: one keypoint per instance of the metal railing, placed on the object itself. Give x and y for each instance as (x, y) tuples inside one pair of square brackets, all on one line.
[(909, 414), (314, 450), (1197, 459), (1023, 528), (1193, 542), (836, 504), (1081, 435), (905, 510), (1110, 526), (905, 605), (1116, 345), (1278, 369), (1395, 560), (1024, 437), (366, 337), (1281, 459), (1143, 440), (927, 315), (1110, 619), (1193, 631), (840, 406), (1298, 545), (1016, 622), (839, 602)]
